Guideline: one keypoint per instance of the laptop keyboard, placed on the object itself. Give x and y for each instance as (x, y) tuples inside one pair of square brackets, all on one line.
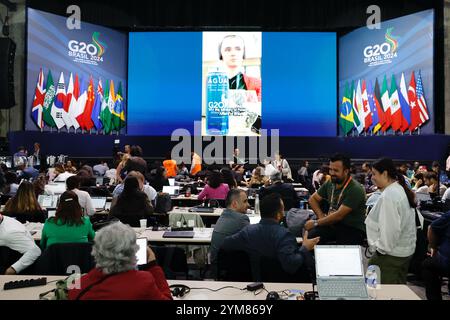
[(342, 288)]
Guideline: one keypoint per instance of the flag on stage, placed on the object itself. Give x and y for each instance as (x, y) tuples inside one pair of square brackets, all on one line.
[(58, 104), (386, 103), (380, 112), (366, 112), (356, 121), (81, 104), (346, 120), (404, 104), (105, 114), (74, 102), (421, 101), (48, 101), (87, 121), (98, 106), (359, 108), (66, 114), (118, 114), (375, 125), (396, 110), (38, 101), (412, 97)]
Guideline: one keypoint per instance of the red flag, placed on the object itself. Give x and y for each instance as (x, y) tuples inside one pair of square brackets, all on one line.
[(415, 111), (87, 121), (377, 98), (366, 112)]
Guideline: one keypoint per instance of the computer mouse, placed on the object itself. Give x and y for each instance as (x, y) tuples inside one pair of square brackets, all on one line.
[(273, 295)]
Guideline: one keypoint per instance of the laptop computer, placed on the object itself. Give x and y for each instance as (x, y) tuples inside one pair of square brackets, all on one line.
[(179, 234), (171, 190), (99, 203), (339, 272), (48, 201)]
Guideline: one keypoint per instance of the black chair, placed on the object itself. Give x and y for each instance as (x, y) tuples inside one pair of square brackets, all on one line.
[(58, 257), (4, 199), (7, 258), (101, 191), (233, 266), (272, 271), (172, 260)]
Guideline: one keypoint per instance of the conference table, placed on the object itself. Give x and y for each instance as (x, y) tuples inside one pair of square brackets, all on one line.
[(202, 236), (288, 291)]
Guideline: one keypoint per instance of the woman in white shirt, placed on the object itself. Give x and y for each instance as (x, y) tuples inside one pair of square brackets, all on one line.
[(391, 224)]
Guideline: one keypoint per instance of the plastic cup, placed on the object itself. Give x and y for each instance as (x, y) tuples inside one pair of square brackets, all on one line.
[(143, 223)]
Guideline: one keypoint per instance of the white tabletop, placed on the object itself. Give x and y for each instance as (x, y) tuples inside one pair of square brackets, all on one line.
[(201, 236), (386, 292), (217, 211)]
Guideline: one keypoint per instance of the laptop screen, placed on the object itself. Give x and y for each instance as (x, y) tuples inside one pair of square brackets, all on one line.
[(99, 203), (48, 201), (171, 190), (338, 261)]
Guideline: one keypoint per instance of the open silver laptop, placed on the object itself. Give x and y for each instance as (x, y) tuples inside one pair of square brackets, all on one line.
[(98, 203), (48, 201), (171, 190), (339, 272)]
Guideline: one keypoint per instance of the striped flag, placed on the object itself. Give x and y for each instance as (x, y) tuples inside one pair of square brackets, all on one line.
[(38, 102), (375, 125), (386, 103), (412, 97), (396, 111), (404, 103), (366, 112), (421, 101)]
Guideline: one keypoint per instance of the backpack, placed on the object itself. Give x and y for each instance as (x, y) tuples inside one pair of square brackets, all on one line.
[(296, 219), (163, 203)]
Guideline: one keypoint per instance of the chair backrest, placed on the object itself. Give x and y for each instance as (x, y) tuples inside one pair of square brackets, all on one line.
[(233, 266), (272, 271), (58, 257), (172, 260), (7, 258)]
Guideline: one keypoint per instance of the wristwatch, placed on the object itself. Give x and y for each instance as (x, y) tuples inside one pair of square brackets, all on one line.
[(316, 223)]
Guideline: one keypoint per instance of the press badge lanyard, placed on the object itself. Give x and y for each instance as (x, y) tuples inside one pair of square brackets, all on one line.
[(340, 195)]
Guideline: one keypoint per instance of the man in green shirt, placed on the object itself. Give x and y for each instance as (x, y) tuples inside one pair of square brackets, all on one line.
[(344, 199)]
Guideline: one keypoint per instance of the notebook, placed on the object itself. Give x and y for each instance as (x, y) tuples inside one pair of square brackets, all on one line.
[(339, 272)]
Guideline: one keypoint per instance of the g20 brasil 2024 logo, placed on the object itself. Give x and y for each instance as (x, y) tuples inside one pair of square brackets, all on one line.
[(90, 53), (382, 53)]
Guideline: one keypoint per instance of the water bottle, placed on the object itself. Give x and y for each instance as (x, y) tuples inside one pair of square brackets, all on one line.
[(257, 204), (372, 282), (217, 109)]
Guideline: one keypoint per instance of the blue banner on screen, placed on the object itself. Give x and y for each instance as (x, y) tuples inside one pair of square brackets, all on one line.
[(232, 83), (76, 79), (386, 78)]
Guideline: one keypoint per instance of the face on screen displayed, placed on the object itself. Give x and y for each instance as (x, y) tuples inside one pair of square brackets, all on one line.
[(232, 51)]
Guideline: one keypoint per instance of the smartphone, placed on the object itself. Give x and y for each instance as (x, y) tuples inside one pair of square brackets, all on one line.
[(141, 254)]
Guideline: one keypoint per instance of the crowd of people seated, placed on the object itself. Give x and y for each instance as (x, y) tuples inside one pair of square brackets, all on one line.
[(373, 205)]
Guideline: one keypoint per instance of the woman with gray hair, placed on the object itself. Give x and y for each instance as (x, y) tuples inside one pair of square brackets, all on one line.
[(115, 276)]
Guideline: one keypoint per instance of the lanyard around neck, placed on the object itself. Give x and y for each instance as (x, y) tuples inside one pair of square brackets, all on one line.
[(340, 195)]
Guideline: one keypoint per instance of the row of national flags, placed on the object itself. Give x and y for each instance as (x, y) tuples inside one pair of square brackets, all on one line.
[(366, 108), (79, 105)]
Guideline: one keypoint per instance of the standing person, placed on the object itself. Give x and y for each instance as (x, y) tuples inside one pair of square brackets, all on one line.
[(196, 164), (171, 166), (283, 166), (345, 198), (40, 160), (391, 224)]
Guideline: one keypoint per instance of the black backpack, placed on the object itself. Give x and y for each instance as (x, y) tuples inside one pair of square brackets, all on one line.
[(163, 203)]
